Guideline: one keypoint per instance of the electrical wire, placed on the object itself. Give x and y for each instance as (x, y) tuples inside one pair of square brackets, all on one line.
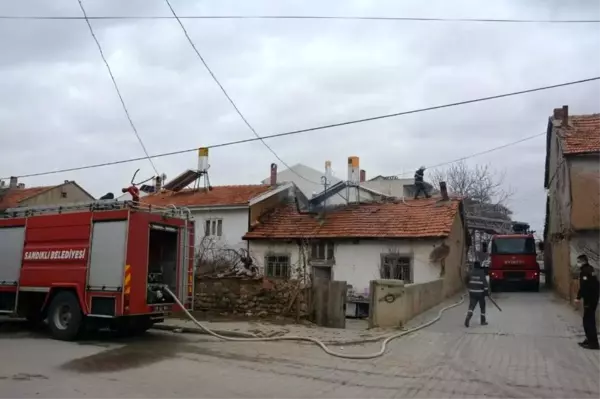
[(233, 104), (321, 127), (310, 17), (112, 77), (476, 154)]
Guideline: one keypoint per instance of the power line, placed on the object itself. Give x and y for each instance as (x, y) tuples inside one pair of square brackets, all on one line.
[(476, 154), (112, 77), (308, 17), (233, 104), (322, 127), (230, 143)]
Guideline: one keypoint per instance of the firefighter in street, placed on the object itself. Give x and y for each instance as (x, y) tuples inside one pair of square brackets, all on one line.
[(478, 289), (589, 292), (420, 183)]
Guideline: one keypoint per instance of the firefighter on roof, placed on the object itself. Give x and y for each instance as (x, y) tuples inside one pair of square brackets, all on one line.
[(478, 289), (420, 183), (589, 291)]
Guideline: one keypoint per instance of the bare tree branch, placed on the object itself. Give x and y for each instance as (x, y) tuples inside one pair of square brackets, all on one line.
[(479, 186)]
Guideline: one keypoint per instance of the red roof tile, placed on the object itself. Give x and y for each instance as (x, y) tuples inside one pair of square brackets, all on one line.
[(219, 195), (582, 136), (10, 198), (415, 218)]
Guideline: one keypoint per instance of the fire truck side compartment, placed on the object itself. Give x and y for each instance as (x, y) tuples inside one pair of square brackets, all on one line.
[(107, 255), (11, 248), (163, 256)]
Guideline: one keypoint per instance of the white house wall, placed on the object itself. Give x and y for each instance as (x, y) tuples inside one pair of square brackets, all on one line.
[(235, 225), (358, 264)]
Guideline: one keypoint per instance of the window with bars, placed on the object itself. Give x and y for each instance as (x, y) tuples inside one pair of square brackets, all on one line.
[(322, 251), (277, 266), (396, 267), (213, 227)]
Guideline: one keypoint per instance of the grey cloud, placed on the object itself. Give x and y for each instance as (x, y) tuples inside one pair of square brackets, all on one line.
[(58, 106)]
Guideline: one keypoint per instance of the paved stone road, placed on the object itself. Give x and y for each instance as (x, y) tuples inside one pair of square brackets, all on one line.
[(528, 350)]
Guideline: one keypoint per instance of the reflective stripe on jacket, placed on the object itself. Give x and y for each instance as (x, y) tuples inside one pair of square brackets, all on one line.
[(477, 282)]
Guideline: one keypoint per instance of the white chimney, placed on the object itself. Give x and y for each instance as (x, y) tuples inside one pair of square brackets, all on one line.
[(328, 171), (353, 169)]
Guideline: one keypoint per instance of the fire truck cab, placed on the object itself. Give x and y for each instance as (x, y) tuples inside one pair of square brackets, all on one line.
[(513, 259), (95, 265)]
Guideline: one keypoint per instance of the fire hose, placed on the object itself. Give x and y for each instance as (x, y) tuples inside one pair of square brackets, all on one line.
[(386, 338)]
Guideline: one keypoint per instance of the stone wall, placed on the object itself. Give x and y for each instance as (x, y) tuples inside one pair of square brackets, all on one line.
[(250, 297)]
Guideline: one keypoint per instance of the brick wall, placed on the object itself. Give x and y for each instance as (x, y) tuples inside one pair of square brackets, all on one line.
[(250, 297)]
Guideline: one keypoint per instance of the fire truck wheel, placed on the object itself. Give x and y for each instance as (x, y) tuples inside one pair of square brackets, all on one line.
[(64, 316)]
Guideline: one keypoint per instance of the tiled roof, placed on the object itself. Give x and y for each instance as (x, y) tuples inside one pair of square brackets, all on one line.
[(11, 197), (218, 196), (415, 218), (582, 136)]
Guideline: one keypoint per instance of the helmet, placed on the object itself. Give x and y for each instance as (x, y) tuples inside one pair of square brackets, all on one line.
[(422, 167)]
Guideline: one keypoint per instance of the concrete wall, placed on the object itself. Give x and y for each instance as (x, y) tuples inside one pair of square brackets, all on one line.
[(584, 176), (55, 196), (393, 303)]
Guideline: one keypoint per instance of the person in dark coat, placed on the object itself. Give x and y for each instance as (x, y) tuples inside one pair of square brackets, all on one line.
[(478, 289), (420, 183), (589, 292)]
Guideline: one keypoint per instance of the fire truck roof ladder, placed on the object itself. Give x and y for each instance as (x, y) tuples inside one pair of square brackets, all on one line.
[(99, 205)]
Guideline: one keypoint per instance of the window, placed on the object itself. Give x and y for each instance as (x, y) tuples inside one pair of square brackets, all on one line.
[(396, 267), (63, 194), (322, 250), (213, 227), (277, 266)]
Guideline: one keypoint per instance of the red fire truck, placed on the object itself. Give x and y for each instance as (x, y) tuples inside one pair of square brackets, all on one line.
[(95, 265), (513, 260)]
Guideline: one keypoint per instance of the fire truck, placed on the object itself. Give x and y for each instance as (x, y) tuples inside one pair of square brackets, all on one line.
[(512, 259), (103, 264)]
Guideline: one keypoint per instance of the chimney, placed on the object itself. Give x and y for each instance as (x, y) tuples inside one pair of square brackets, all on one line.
[(66, 181), (157, 184), (13, 182), (363, 175), (328, 171), (565, 115), (273, 175), (444, 191), (353, 169)]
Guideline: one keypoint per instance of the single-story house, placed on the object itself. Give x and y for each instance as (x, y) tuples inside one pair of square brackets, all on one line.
[(15, 194), (358, 243)]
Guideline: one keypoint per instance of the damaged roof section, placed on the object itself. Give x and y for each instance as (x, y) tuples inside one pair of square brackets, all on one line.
[(429, 218)]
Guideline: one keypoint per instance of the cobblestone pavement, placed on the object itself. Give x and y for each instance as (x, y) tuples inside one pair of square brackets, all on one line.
[(528, 350)]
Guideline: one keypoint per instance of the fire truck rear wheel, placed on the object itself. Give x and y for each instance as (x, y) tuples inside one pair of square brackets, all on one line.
[(64, 316)]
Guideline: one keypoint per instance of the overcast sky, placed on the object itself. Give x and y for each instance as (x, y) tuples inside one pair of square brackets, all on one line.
[(58, 107)]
